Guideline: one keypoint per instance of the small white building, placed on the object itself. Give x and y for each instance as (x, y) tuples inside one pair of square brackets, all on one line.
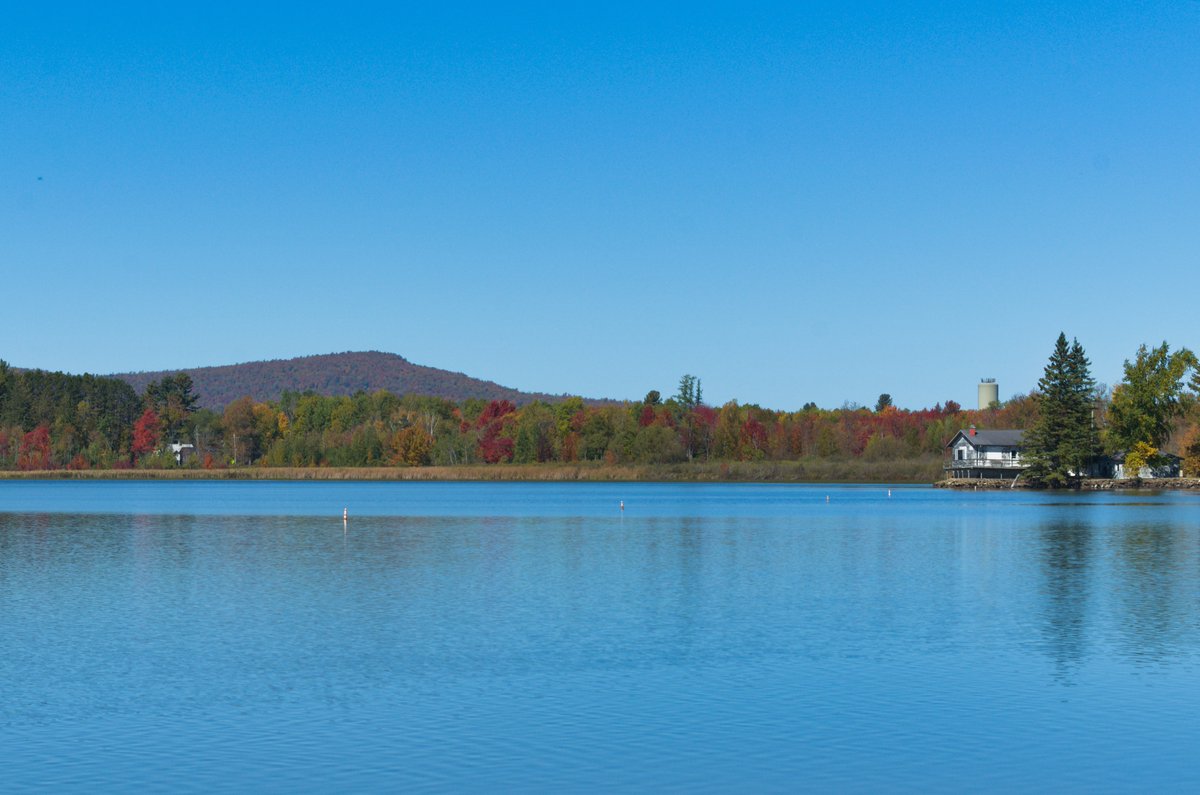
[(1168, 467), (985, 454), (182, 452)]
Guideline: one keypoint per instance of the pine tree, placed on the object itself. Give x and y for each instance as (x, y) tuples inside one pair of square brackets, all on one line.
[(1082, 442), (1063, 441), (689, 395)]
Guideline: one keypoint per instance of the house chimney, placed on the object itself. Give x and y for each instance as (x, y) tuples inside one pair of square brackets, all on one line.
[(971, 432)]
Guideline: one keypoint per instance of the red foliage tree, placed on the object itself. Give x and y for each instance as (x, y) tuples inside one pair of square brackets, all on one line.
[(495, 437), (752, 439), (145, 433), (570, 448), (35, 449), (696, 430), (495, 448), (494, 411)]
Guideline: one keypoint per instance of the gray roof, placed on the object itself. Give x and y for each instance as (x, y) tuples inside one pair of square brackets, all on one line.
[(1005, 438), (1119, 456)]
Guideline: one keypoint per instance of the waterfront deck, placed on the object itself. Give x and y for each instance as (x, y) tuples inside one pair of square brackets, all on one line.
[(981, 468)]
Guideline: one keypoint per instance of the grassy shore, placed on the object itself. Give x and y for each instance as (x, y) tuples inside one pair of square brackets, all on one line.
[(804, 471)]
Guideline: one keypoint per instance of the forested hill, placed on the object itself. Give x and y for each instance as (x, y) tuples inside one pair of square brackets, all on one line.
[(333, 374)]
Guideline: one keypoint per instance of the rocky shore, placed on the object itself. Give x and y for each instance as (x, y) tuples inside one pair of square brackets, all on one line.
[(1094, 484)]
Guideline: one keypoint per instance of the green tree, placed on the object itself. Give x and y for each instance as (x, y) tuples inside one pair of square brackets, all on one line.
[(1145, 404), (884, 401), (241, 430), (656, 444), (174, 402), (1063, 441), (6, 379), (690, 394), (537, 428), (596, 433)]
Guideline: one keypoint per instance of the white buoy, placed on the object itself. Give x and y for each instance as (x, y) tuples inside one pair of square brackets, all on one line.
[(889, 492), (345, 515), (826, 498), (622, 505)]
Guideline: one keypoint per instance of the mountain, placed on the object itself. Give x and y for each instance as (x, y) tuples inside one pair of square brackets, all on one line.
[(333, 374)]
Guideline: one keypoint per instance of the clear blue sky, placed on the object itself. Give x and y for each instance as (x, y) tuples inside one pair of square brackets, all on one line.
[(794, 203)]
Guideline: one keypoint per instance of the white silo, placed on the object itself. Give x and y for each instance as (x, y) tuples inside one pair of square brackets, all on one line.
[(989, 392)]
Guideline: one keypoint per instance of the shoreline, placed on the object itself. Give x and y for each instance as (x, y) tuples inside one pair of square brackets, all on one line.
[(732, 472), (739, 472), (1091, 484)]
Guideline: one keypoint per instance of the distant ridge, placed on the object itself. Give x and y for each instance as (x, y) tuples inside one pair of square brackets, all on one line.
[(333, 374)]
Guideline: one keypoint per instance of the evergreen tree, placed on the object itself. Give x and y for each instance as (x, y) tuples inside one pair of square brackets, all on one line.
[(6, 379), (1083, 441), (1063, 441), (174, 402), (689, 395)]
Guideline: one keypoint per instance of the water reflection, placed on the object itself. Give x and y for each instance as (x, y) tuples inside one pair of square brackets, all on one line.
[(1066, 565), (850, 646), (1157, 589), (1129, 589)]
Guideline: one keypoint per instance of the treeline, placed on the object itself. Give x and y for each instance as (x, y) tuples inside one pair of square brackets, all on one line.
[(55, 420), (58, 421)]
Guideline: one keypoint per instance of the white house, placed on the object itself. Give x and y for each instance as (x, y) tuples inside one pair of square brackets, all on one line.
[(997, 454), (985, 454)]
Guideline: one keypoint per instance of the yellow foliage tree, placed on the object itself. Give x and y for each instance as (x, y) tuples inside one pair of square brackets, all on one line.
[(411, 447), (1191, 452), (1140, 456)]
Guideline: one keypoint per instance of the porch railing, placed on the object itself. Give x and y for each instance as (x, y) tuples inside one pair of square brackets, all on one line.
[(986, 463)]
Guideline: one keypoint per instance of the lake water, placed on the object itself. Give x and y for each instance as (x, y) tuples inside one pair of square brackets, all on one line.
[(515, 637)]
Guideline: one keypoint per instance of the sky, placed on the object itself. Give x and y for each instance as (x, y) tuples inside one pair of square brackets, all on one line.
[(793, 202)]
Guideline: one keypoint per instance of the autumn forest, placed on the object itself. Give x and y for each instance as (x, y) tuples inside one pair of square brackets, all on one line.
[(57, 421)]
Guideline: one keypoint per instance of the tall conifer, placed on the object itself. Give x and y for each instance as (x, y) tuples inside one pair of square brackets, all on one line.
[(1063, 442), (1083, 442)]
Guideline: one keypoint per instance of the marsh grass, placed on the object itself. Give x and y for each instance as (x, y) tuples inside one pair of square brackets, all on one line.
[(923, 470)]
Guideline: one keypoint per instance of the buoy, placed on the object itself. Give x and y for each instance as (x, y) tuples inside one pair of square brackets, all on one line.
[(345, 515), (622, 505), (889, 492), (826, 498)]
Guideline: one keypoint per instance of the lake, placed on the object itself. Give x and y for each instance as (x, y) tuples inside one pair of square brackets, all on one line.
[(237, 636)]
